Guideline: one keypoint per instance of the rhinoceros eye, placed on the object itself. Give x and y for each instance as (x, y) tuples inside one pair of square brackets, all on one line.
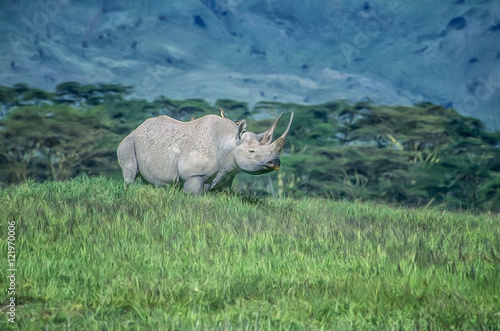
[(251, 151)]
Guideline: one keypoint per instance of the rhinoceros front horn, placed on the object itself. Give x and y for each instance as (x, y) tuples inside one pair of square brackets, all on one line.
[(266, 137), (280, 142)]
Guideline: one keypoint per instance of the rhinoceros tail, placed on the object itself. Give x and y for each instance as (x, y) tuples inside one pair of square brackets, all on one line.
[(127, 160)]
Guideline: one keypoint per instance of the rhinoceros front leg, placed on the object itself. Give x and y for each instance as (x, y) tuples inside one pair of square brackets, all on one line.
[(193, 185), (224, 178), (217, 179)]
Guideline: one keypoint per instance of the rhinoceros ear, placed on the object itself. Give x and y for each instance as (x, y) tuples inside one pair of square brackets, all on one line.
[(241, 128)]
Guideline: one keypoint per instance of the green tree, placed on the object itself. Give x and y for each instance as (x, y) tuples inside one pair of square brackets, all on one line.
[(55, 143)]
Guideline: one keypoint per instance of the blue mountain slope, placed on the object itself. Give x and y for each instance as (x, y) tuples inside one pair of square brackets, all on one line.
[(393, 52)]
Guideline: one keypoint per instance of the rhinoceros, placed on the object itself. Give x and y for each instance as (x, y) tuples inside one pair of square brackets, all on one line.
[(203, 154)]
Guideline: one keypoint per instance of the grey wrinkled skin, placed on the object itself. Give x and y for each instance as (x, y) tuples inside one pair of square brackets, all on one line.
[(202, 155)]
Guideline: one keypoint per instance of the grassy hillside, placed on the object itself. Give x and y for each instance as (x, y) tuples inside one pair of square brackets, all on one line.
[(92, 256)]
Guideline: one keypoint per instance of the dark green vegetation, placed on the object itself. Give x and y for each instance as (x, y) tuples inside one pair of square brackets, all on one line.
[(92, 256), (418, 155)]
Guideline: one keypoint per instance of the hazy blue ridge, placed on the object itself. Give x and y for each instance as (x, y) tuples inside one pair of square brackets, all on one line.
[(391, 52)]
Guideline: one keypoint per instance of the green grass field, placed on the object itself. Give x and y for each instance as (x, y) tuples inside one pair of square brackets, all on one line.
[(91, 256)]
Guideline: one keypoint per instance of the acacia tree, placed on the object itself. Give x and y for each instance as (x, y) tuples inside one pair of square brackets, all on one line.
[(55, 142), (417, 155)]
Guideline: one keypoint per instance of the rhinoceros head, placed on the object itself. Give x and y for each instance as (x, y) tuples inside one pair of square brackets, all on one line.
[(257, 153)]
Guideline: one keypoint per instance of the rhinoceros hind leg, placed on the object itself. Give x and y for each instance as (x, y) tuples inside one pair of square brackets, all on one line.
[(127, 160), (194, 185)]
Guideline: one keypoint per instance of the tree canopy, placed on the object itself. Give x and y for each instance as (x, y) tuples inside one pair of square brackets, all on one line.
[(421, 154)]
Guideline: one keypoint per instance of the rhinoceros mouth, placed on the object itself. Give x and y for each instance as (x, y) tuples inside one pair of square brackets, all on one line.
[(274, 165)]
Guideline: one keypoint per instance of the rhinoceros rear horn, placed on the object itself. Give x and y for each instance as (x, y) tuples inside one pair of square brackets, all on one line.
[(280, 142), (267, 136)]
